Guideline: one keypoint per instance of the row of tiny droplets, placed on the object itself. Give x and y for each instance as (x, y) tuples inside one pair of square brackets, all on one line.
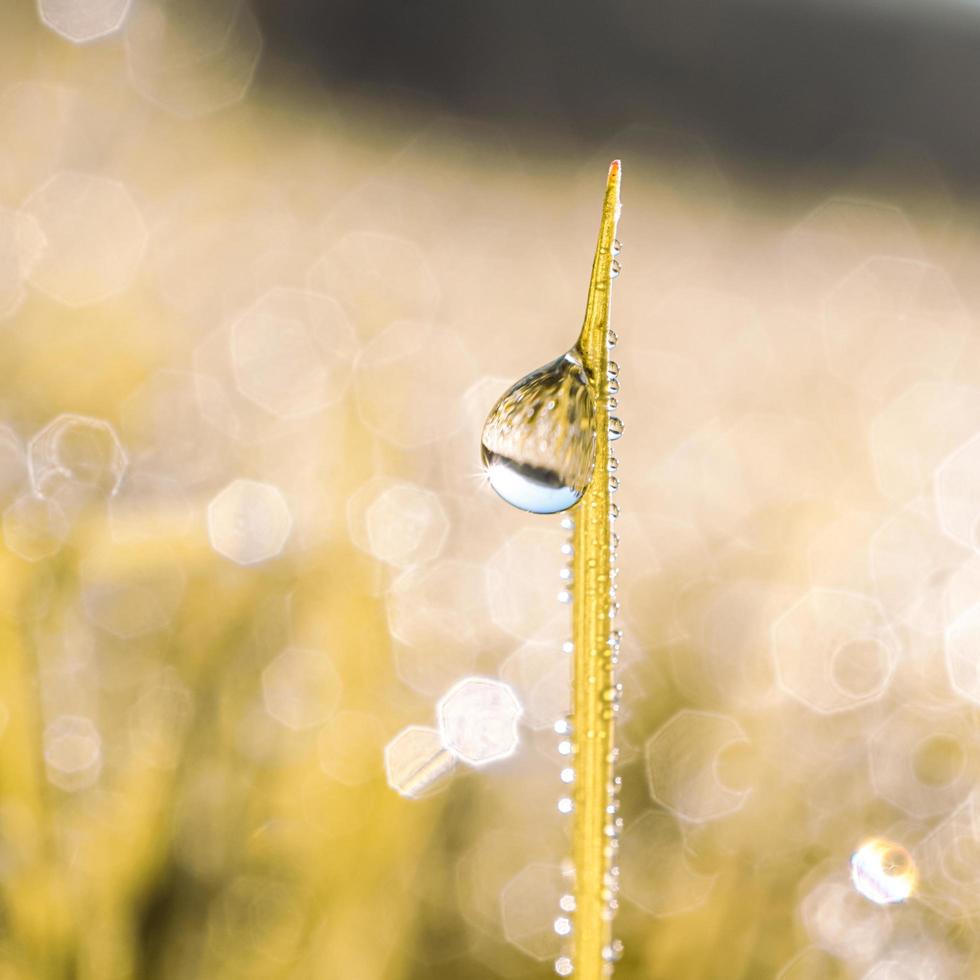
[(566, 804)]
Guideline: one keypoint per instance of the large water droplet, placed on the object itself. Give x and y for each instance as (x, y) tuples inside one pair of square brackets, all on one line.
[(539, 439)]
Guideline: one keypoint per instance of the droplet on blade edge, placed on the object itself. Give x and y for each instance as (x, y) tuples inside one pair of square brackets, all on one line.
[(538, 442)]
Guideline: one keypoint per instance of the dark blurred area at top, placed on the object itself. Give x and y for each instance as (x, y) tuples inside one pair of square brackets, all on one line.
[(787, 90)]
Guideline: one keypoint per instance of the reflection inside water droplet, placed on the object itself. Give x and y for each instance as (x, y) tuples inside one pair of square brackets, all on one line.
[(539, 440)]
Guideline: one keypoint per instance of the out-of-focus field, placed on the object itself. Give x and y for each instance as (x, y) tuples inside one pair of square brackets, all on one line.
[(249, 336)]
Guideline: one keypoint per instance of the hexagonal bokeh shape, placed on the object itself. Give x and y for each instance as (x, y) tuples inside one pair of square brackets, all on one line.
[(923, 761), (529, 907), (75, 457), (916, 430), (34, 528), (682, 763), (95, 238), (406, 524), (948, 858), (301, 688), (21, 245), (396, 397), (956, 487), (521, 582), (249, 522), (416, 761), (963, 654), (80, 21), (890, 319), (842, 922), (912, 564), (190, 58), (72, 752), (379, 278), (834, 650), (292, 352), (127, 592), (654, 871), (836, 237), (478, 720), (541, 674), (437, 613)]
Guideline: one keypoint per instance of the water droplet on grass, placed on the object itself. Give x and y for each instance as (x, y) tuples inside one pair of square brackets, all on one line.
[(539, 440)]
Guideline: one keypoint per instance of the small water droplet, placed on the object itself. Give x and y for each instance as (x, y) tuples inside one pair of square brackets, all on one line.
[(567, 524), (567, 903), (567, 775), (567, 548), (611, 338), (613, 951), (614, 268), (613, 510), (563, 925), (612, 370), (565, 574), (617, 246), (538, 442), (568, 647), (615, 428), (565, 747), (612, 403), (614, 483), (613, 463), (563, 966), (612, 386), (566, 805), (565, 597)]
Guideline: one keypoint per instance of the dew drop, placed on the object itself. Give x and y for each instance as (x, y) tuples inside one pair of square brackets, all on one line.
[(611, 338), (615, 428), (612, 403), (538, 443), (614, 483), (612, 386), (563, 966), (614, 269), (613, 463), (566, 805), (617, 246), (612, 369)]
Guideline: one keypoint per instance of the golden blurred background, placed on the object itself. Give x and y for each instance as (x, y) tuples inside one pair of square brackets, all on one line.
[(252, 323)]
